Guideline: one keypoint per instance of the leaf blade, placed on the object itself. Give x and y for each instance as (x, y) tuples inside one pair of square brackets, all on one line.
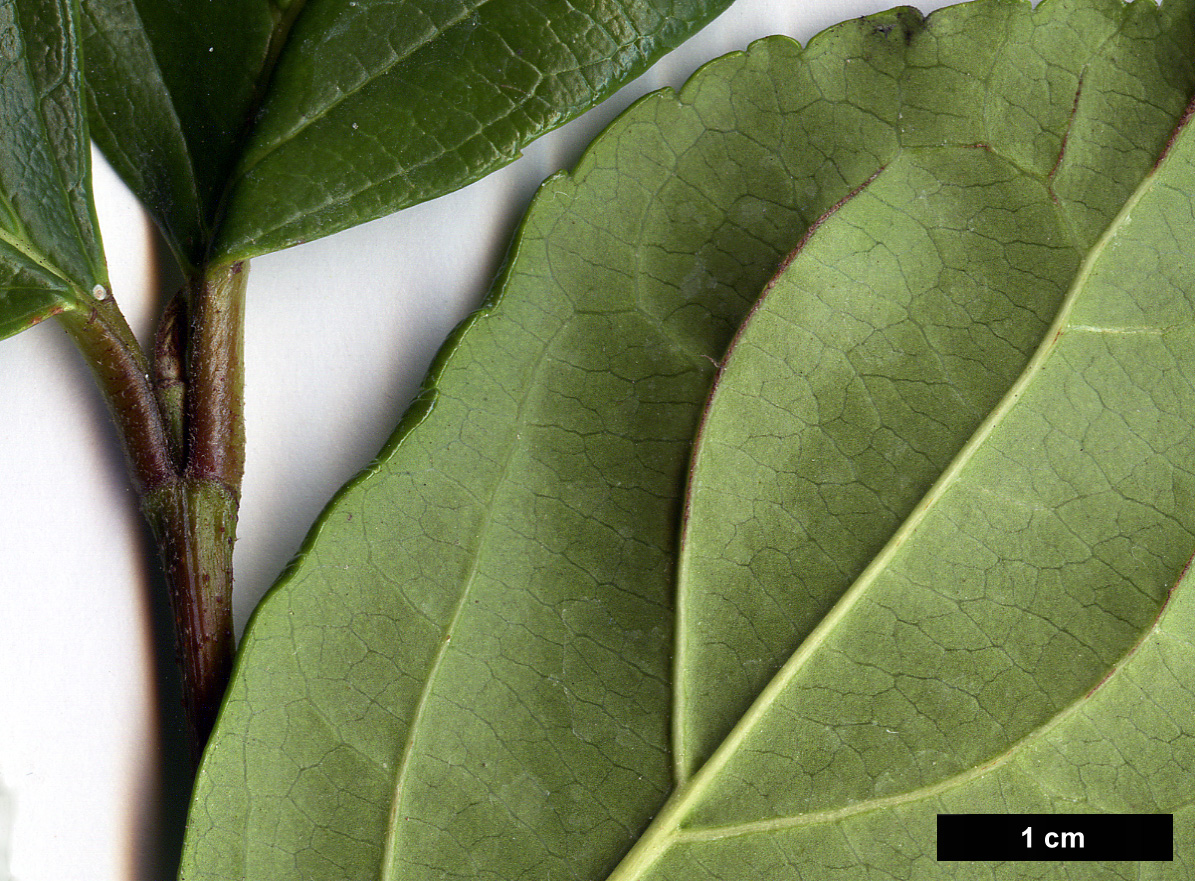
[(738, 246), (249, 128), (914, 308), (1071, 354), (434, 99), (50, 255), (830, 509), (779, 824), (168, 109), (468, 833)]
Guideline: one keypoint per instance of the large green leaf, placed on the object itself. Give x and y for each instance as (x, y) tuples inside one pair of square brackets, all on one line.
[(801, 480), (50, 255), (250, 126), (469, 672), (1003, 652), (905, 320)]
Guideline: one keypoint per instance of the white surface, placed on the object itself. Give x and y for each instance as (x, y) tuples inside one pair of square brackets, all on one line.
[(339, 333)]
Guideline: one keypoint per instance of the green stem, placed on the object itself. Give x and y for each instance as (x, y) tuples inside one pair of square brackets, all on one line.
[(183, 433)]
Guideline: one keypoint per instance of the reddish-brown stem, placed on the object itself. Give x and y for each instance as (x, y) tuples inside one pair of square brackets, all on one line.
[(183, 432), (122, 373), (215, 376), (194, 522)]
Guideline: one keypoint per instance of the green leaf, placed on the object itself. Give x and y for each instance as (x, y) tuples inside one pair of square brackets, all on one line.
[(171, 87), (478, 667), (249, 127), (50, 255), (558, 521), (905, 320), (1003, 652), (377, 106), (787, 511)]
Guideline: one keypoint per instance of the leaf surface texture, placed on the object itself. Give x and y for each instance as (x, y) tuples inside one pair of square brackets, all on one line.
[(50, 255), (247, 127), (916, 560)]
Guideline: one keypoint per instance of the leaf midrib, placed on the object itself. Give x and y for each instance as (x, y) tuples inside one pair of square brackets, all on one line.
[(36, 257), (260, 155), (390, 844)]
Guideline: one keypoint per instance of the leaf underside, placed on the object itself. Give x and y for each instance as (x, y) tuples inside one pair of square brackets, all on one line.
[(247, 127), (50, 256), (922, 557)]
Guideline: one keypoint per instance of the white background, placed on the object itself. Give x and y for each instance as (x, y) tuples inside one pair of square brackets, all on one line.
[(338, 335)]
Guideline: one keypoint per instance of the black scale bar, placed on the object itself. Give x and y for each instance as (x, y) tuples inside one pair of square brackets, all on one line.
[(1068, 837)]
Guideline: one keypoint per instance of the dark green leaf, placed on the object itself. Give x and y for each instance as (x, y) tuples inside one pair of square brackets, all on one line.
[(171, 89), (377, 106), (50, 256), (470, 671), (352, 109)]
